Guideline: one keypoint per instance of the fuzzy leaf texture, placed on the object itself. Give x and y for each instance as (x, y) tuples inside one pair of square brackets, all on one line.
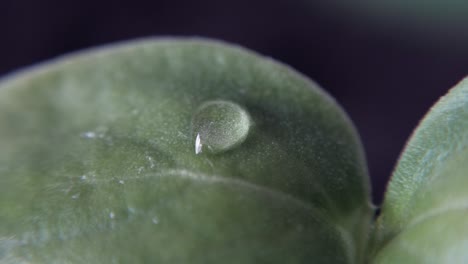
[(424, 215), (177, 151)]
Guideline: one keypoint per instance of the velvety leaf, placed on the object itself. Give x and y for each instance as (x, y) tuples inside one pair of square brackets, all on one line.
[(430, 181), (177, 151), (438, 239)]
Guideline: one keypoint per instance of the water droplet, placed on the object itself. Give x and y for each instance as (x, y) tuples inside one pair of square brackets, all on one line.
[(111, 215), (75, 196), (155, 220), (121, 182), (84, 177), (140, 170), (219, 126)]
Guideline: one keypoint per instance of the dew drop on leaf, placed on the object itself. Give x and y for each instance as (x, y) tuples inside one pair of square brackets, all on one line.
[(218, 126)]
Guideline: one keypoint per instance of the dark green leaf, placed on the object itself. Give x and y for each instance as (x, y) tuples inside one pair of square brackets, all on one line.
[(100, 162)]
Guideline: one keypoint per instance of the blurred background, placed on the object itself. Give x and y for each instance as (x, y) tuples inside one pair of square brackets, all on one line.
[(386, 62)]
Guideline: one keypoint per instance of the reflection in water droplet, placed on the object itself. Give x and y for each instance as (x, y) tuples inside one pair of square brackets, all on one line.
[(155, 220), (198, 145), (219, 126)]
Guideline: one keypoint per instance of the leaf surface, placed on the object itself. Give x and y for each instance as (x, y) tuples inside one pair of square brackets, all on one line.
[(430, 186), (177, 151)]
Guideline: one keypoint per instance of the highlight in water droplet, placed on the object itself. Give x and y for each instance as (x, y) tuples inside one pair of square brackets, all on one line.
[(198, 145), (219, 126)]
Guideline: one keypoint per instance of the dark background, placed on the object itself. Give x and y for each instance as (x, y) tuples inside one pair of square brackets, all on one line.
[(386, 69)]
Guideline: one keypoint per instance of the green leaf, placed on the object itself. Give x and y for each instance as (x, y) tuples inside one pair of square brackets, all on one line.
[(434, 240), (177, 151), (429, 188)]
